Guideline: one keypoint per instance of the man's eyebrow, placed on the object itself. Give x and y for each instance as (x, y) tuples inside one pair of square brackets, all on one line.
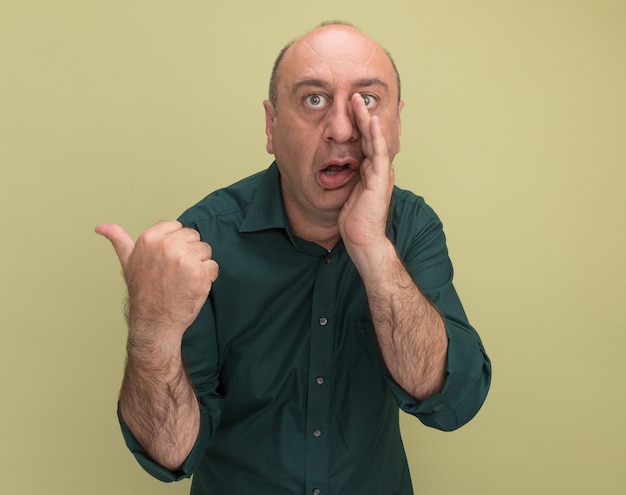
[(373, 81), (316, 83)]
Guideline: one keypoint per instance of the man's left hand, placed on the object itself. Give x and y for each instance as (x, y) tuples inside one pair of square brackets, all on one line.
[(363, 218)]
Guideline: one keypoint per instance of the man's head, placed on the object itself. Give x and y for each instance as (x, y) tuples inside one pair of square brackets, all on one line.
[(310, 124), (274, 76)]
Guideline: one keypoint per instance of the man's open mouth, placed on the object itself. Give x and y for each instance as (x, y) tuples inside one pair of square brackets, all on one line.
[(335, 169)]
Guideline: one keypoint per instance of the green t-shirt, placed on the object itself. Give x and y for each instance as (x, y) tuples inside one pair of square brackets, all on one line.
[(294, 395)]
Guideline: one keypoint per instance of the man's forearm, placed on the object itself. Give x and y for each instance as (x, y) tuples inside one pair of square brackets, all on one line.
[(410, 331), (159, 406)]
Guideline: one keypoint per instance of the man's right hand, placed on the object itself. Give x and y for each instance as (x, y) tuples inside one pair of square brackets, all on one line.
[(169, 273)]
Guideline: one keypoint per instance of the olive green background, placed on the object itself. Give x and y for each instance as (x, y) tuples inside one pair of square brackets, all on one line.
[(514, 131)]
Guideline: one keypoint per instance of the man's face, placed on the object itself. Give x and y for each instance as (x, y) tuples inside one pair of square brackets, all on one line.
[(312, 132)]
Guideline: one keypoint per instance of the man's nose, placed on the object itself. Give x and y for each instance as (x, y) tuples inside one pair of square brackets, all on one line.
[(341, 124)]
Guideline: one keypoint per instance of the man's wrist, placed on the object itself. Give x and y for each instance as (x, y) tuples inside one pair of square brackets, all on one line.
[(375, 262)]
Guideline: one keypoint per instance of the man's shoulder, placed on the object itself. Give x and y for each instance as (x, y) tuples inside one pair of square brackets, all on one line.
[(406, 202), (229, 200), (411, 219)]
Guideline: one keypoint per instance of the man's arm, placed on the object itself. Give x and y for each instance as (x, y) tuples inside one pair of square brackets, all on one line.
[(159, 405), (168, 273), (410, 331)]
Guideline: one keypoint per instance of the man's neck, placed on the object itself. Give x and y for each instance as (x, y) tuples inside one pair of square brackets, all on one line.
[(324, 233)]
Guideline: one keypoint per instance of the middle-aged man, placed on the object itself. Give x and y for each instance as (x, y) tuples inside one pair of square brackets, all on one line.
[(334, 307)]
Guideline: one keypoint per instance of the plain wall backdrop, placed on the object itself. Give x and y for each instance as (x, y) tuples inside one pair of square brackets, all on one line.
[(513, 130)]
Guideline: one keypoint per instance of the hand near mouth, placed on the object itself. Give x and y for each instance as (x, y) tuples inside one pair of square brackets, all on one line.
[(363, 218)]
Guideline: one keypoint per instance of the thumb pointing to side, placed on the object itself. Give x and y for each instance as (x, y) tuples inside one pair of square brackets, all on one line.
[(122, 242)]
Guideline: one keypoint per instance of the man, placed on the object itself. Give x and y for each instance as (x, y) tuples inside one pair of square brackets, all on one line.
[(334, 304)]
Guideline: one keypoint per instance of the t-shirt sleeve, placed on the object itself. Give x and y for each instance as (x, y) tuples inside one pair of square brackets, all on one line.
[(200, 357), (468, 368)]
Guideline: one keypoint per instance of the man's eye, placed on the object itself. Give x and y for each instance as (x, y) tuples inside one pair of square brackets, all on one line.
[(369, 100), (315, 100)]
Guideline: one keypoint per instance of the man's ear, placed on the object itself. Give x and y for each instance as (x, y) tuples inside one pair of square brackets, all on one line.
[(270, 123), (399, 122)]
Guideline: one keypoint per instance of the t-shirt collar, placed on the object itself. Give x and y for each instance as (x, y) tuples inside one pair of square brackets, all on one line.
[(266, 210)]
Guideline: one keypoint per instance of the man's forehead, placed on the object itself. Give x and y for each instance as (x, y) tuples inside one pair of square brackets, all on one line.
[(333, 52)]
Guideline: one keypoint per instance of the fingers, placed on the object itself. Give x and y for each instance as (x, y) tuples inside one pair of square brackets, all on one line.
[(122, 242), (167, 227), (169, 232), (373, 140), (362, 116), (378, 140), (184, 237), (212, 269), (168, 271), (200, 249)]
